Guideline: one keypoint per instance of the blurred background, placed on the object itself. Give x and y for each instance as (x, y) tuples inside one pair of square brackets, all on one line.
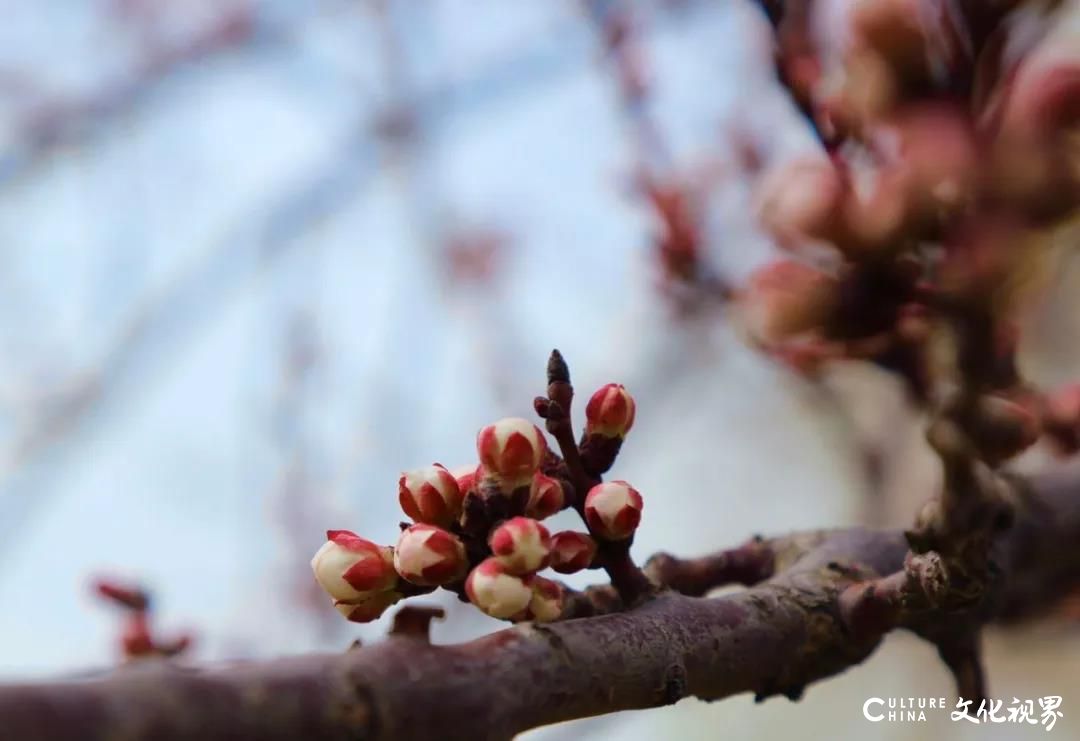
[(258, 257)]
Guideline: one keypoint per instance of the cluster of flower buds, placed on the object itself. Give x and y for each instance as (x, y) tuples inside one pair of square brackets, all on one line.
[(968, 148), (496, 564)]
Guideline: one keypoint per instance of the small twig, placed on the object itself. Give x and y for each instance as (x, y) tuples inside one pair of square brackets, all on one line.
[(749, 564), (414, 622)]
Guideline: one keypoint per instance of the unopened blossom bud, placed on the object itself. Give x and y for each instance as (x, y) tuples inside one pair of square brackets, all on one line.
[(135, 640), (522, 545), (429, 556), (546, 604), (610, 411), (368, 609), (1008, 426), (546, 497), (801, 201), (349, 567), (572, 551), (613, 510), (430, 494), (785, 298), (497, 592), (511, 450), (466, 476), (1063, 405)]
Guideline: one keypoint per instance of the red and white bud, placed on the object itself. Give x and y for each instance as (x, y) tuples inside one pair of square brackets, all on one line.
[(613, 510), (349, 567), (368, 609), (546, 497), (430, 494), (429, 556), (546, 604), (466, 476), (497, 592), (610, 411), (522, 545), (785, 298), (572, 551), (511, 451)]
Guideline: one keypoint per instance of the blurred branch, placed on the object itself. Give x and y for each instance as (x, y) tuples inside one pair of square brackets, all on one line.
[(772, 639), (170, 320)]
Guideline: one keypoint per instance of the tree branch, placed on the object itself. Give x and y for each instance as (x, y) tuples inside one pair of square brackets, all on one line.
[(774, 638)]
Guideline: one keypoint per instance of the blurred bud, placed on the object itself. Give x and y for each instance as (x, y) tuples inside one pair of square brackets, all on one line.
[(875, 217), (521, 544), (893, 29), (1044, 96), (913, 323), (511, 451), (497, 592), (610, 411), (785, 298), (369, 608), (870, 88), (937, 146), (546, 604), (131, 597), (466, 477), (613, 510), (135, 640), (801, 200), (1007, 427), (429, 556), (1061, 418), (572, 551), (349, 567), (430, 494), (1063, 405), (546, 497)]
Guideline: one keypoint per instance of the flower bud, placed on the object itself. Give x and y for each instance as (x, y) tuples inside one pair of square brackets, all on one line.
[(1063, 405), (496, 592), (349, 567), (429, 556), (466, 477), (430, 494), (546, 604), (546, 497), (522, 545), (613, 510), (572, 551), (1008, 427), (785, 298), (368, 609), (610, 411), (801, 201), (511, 450)]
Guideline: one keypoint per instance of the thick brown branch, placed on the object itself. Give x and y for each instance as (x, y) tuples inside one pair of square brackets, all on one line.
[(774, 638)]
